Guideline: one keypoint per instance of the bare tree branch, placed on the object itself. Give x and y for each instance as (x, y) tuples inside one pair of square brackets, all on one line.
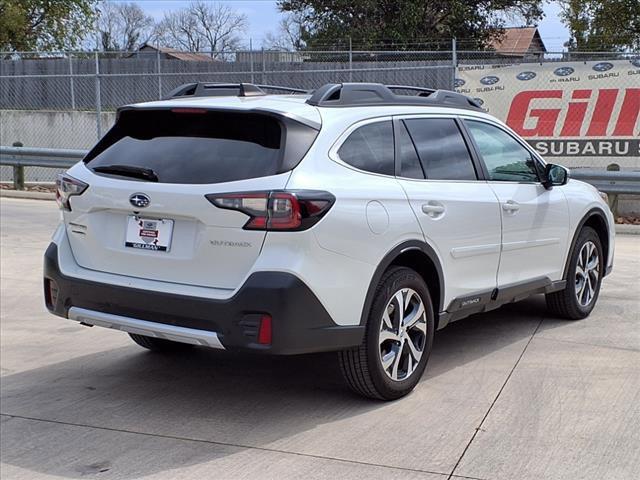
[(202, 26), (123, 26), (289, 36)]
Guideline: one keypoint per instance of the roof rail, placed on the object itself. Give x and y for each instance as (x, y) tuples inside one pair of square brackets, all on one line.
[(203, 89), (424, 92), (376, 94)]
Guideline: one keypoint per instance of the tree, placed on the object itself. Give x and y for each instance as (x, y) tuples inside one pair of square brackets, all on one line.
[(123, 26), (44, 24), (385, 22), (202, 26), (289, 35), (602, 24)]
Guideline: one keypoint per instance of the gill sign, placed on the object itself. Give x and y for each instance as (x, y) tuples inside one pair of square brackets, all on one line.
[(586, 113)]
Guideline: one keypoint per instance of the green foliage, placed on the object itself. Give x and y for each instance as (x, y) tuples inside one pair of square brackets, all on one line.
[(602, 24), (387, 22), (44, 24)]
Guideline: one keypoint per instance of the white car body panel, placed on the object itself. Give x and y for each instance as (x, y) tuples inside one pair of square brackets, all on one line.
[(467, 240), (209, 247), (535, 236)]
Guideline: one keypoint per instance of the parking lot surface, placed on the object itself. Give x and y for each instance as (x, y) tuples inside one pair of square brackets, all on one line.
[(511, 394)]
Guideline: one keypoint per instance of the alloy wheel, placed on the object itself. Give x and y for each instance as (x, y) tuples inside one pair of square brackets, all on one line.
[(587, 273), (403, 333)]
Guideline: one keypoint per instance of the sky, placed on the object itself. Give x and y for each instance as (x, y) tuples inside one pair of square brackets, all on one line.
[(263, 17)]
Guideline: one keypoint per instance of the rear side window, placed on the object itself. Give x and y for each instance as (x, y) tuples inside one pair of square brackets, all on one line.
[(441, 148), (370, 148), (407, 157), (196, 146)]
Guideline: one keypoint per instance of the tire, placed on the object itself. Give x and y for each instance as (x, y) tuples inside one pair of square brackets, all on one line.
[(159, 344), (580, 295), (363, 366)]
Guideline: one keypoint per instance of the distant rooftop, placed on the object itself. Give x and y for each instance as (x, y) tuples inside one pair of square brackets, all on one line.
[(172, 53), (519, 42)]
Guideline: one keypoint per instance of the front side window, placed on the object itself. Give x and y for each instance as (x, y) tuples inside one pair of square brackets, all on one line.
[(370, 148), (505, 158), (441, 148)]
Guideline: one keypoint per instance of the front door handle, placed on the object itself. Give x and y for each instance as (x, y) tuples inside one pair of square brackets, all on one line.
[(510, 206), (433, 209)]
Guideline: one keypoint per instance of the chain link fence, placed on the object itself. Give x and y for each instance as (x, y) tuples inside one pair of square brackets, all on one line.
[(69, 99)]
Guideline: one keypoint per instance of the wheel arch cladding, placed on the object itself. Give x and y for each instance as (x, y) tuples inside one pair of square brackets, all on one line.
[(418, 256), (596, 219)]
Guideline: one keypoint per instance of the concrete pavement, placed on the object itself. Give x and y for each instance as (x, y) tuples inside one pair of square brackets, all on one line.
[(511, 394)]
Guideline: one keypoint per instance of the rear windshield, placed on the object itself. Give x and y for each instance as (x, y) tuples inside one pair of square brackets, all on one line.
[(194, 146)]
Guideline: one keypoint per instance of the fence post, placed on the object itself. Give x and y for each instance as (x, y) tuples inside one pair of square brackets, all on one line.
[(251, 58), (454, 62), (264, 68), (350, 60), (158, 71), (98, 99), (18, 172), (613, 198), (71, 86)]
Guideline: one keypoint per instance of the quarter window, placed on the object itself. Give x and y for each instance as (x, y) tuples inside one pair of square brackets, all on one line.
[(505, 158), (370, 148), (442, 150)]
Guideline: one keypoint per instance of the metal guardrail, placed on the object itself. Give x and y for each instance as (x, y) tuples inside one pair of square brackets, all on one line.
[(40, 157), (611, 182), (19, 157)]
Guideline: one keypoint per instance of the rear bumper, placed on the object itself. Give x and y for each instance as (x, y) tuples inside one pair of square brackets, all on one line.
[(300, 324)]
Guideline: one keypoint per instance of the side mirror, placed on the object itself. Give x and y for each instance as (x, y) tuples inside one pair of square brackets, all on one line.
[(555, 175)]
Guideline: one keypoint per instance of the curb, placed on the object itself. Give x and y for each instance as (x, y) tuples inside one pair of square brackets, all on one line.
[(622, 229), (25, 194)]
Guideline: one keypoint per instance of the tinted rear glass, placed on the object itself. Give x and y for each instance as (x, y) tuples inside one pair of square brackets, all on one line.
[(370, 148), (441, 148), (193, 147)]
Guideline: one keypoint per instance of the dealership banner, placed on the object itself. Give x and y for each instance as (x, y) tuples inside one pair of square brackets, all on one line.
[(575, 113)]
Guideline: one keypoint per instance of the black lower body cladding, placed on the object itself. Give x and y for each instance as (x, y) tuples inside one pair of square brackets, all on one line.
[(300, 323)]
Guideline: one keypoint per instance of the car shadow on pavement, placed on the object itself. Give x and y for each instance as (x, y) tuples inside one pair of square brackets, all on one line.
[(205, 395)]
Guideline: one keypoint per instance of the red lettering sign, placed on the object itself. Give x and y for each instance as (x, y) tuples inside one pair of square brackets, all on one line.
[(545, 120)]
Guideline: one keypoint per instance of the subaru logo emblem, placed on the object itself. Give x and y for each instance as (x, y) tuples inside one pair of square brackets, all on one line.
[(139, 200), (458, 82), (603, 66), (635, 62), (489, 80), (524, 76), (563, 71)]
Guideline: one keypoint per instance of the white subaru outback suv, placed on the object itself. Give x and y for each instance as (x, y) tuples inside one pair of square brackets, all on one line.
[(353, 219)]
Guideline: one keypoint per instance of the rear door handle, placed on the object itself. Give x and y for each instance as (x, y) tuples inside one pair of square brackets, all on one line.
[(433, 209), (510, 206)]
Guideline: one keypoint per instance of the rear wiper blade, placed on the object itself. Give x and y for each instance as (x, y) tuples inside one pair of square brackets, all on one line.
[(128, 171)]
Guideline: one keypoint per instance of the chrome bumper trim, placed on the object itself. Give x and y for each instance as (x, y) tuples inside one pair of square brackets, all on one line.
[(143, 327)]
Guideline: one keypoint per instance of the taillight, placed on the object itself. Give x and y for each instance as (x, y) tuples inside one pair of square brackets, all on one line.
[(277, 210), (67, 187)]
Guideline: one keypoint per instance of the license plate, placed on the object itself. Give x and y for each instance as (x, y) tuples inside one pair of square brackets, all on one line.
[(149, 233)]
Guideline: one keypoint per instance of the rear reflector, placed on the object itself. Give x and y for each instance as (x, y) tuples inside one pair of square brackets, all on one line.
[(277, 210), (264, 333), (50, 293)]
